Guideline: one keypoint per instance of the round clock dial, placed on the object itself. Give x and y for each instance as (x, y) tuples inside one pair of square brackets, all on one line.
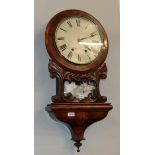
[(78, 39)]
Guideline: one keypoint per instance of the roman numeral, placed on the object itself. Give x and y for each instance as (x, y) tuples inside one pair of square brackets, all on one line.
[(60, 38), (70, 55), (69, 23), (79, 58), (78, 22), (88, 48), (93, 34), (63, 47), (88, 56), (86, 52), (63, 29)]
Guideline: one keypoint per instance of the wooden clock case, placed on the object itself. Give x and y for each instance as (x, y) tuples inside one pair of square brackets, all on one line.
[(76, 114)]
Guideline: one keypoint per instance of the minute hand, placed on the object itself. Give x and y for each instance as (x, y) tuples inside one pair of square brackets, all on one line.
[(92, 35)]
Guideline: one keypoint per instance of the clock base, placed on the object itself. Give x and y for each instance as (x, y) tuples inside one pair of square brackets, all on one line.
[(77, 117)]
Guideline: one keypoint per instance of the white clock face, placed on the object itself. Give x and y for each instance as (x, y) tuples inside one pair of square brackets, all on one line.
[(78, 40)]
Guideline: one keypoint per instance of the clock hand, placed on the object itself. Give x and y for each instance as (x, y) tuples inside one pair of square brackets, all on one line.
[(88, 48), (91, 35), (80, 39)]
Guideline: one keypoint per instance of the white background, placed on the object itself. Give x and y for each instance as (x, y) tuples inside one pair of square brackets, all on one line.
[(137, 77)]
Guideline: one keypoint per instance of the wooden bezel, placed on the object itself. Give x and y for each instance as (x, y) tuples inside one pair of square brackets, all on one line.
[(54, 53)]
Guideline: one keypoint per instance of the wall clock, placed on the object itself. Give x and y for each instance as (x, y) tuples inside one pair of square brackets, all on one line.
[(78, 46)]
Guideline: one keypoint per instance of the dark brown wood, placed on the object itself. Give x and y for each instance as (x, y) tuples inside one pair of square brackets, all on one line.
[(85, 115), (61, 75), (93, 107), (53, 51)]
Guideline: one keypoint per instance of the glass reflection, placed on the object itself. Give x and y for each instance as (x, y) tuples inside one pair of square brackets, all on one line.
[(79, 90)]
